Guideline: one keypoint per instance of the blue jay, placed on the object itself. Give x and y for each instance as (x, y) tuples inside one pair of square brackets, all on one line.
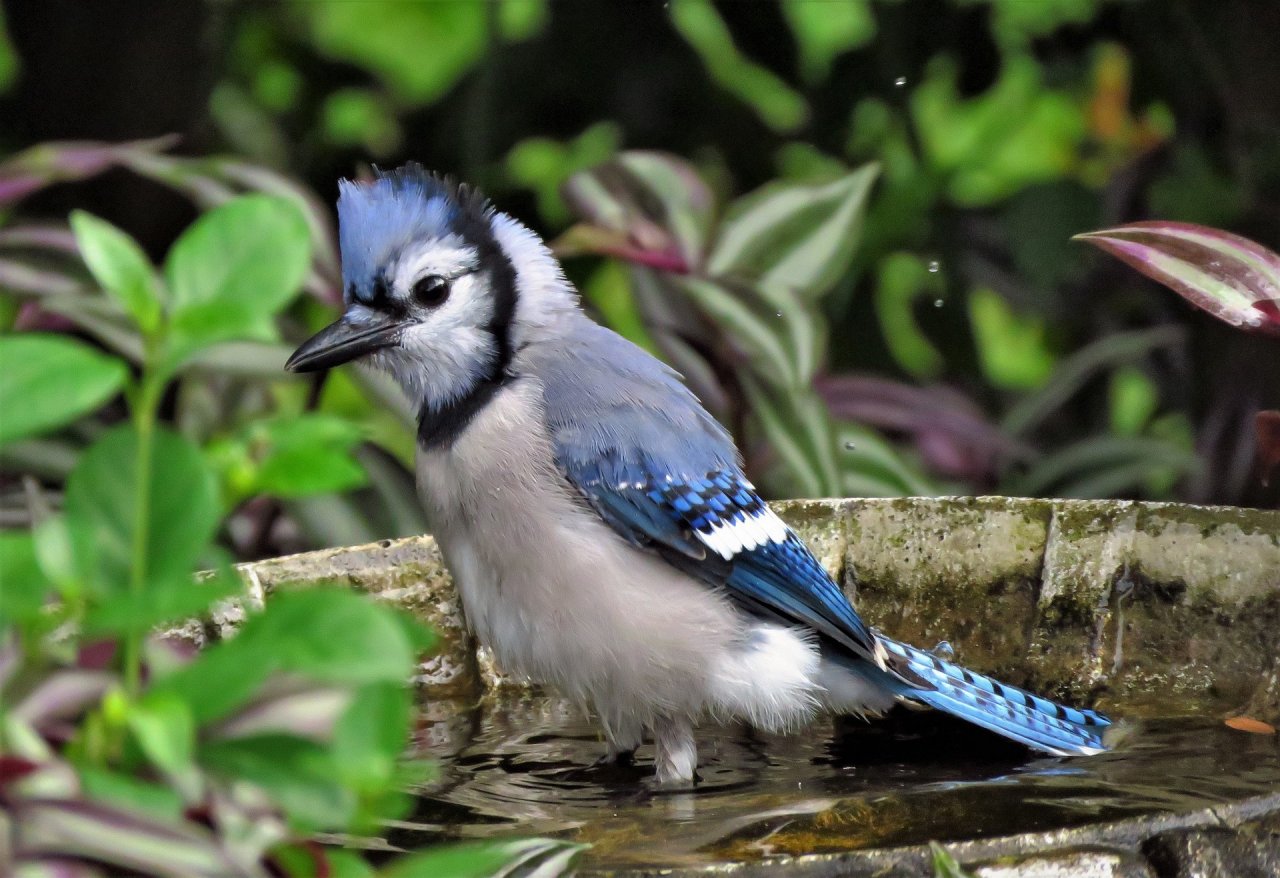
[(595, 517)]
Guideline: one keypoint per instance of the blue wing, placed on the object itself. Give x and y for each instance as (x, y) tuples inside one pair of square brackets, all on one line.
[(660, 471)]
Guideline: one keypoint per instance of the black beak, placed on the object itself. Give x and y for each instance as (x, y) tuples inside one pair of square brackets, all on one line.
[(341, 342)]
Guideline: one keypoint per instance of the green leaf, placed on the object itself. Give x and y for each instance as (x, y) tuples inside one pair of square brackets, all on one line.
[(543, 164), (945, 865), (181, 507), (826, 30), (165, 730), (901, 278), (47, 381), (371, 735), (223, 678), (1013, 350), (541, 857), (333, 635), (1074, 371), (298, 774), (24, 589), (119, 265), (158, 603), (654, 203), (126, 791), (794, 236), (198, 327), (305, 454), (754, 327), (609, 290), (420, 50), (776, 103), (1133, 399), (9, 63), (249, 256), (990, 146), (1233, 278), (786, 434)]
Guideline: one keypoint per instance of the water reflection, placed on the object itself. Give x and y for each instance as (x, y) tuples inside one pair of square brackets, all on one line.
[(525, 765)]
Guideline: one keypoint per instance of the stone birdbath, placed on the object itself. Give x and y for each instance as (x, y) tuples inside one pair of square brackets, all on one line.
[(1163, 615)]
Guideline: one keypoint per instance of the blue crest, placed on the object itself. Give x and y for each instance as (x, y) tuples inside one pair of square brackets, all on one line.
[(378, 218)]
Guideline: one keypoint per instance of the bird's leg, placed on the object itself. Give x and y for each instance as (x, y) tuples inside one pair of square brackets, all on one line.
[(621, 740), (677, 752)]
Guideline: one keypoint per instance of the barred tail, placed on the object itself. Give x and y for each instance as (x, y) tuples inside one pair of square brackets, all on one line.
[(1009, 711)]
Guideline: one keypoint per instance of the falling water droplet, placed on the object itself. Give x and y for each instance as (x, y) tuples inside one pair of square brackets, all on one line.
[(934, 266), (938, 303), (850, 446), (900, 81), (779, 314)]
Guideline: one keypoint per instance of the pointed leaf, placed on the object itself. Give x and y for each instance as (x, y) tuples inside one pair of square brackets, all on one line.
[(1233, 278), (119, 265), (121, 838), (47, 381), (793, 236), (654, 203), (181, 505), (62, 161), (162, 725), (250, 254)]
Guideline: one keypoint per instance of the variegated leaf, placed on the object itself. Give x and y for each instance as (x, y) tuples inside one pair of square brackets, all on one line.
[(1233, 278), (794, 236), (653, 203)]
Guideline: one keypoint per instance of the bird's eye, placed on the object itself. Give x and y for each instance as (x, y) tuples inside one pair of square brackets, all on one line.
[(431, 291)]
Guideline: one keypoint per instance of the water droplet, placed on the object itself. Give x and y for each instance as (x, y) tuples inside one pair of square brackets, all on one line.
[(900, 81), (934, 266), (944, 650), (938, 303), (779, 314), (850, 446)]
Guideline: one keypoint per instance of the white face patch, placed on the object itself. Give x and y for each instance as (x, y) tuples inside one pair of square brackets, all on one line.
[(445, 257), (446, 350)]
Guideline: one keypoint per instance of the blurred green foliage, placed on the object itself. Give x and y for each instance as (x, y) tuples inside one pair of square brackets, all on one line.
[(998, 129), (124, 748)]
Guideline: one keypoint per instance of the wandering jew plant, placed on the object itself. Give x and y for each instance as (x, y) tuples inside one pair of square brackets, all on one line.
[(1233, 278)]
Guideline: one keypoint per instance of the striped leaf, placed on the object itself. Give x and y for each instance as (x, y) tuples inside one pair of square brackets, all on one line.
[(794, 236), (653, 203), (1233, 278)]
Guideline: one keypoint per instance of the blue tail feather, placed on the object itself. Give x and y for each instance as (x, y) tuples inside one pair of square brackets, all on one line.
[(1015, 713)]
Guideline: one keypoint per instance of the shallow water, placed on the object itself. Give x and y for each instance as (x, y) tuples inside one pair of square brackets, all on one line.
[(525, 766)]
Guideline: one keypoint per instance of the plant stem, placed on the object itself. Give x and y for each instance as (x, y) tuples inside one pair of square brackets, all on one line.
[(144, 422)]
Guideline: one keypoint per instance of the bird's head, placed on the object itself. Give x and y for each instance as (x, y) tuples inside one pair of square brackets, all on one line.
[(431, 276)]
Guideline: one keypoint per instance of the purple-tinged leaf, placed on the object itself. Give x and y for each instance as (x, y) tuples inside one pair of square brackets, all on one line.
[(96, 655), (40, 236), (1267, 428), (1233, 278), (654, 204), (15, 768), (63, 695), (121, 839), (286, 706), (951, 433), (55, 867), (64, 161)]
